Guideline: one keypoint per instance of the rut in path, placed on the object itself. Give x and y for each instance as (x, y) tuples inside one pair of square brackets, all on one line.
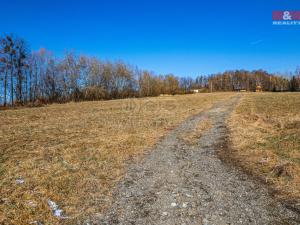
[(177, 183)]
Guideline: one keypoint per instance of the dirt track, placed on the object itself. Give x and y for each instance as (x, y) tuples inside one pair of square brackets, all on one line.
[(176, 183)]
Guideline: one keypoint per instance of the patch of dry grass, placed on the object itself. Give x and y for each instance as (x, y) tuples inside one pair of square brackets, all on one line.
[(73, 154), (192, 137), (265, 133)]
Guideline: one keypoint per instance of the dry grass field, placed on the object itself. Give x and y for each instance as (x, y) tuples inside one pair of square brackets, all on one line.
[(265, 134), (73, 154)]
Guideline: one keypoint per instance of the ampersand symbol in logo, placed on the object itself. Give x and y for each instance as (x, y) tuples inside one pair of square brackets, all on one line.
[(287, 15)]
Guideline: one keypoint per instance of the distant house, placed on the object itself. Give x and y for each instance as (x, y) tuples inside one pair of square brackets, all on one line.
[(195, 91), (258, 88), (239, 87)]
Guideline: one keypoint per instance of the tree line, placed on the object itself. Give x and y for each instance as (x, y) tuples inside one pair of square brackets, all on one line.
[(38, 77), (251, 80)]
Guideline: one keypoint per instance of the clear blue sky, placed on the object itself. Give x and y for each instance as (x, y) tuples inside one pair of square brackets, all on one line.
[(183, 37)]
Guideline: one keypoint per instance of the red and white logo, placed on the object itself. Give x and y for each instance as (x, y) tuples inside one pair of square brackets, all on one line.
[(286, 15)]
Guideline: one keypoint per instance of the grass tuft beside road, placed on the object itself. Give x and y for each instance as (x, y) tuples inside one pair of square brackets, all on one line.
[(193, 136), (265, 133), (73, 154)]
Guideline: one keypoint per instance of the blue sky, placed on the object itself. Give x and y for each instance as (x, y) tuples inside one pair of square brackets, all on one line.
[(186, 38)]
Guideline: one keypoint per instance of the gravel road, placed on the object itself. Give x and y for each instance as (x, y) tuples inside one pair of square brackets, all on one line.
[(179, 183)]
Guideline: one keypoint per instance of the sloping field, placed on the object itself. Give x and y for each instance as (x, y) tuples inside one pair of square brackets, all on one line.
[(265, 133), (73, 154), (183, 181)]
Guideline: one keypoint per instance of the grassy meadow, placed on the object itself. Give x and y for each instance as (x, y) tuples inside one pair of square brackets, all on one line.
[(73, 154), (265, 138)]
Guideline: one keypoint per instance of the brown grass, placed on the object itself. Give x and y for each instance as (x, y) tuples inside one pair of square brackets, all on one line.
[(192, 137), (265, 133), (74, 153)]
